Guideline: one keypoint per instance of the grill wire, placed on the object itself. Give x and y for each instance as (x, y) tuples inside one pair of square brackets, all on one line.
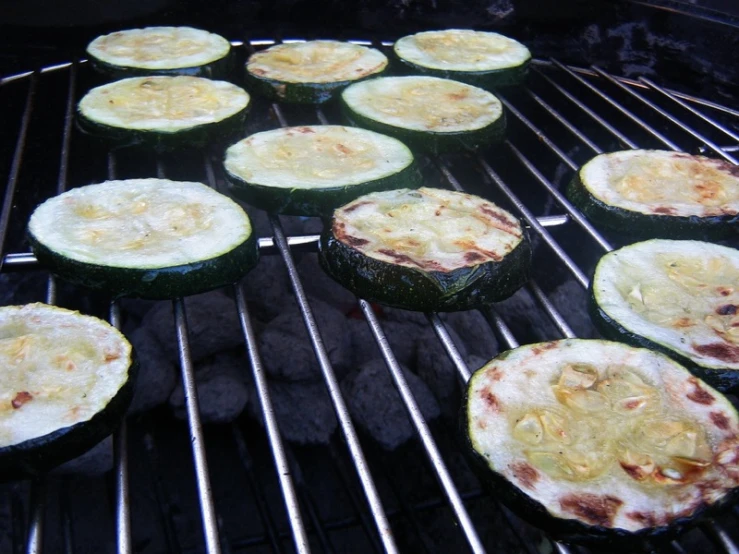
[(561, 118)]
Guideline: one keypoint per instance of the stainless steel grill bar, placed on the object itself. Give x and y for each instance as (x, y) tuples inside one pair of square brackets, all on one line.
[(342, 413), (563, 120), (594, 116), (423, 431), (723, 128), (529, 217), (15, 166), (561, 200), (666, 115), (300, 537), (551, 311), (451, 348), (656, 134), (539, 134), (205, 494), (719, 534), (35, 542)]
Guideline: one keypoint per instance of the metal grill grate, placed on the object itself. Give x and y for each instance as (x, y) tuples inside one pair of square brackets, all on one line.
[(559, 120)]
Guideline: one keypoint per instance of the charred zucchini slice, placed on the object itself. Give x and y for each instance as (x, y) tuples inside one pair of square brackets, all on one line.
[(679, 297), (596, 441), (427, 113), (426, 250), (167, 113), (657, 194), (311, 72), (484, 59), (149, 238), (67, 381), (160, 51), (313, 170)]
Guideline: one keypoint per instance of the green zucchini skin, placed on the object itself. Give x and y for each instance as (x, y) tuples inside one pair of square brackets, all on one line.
[(433, 143), (488, 80), (221, 69), (641, 225), (217, 134), (724, 380), (570, 530), (35, 457), (156, 283), (412, 289), (298, 93), (321, 202)]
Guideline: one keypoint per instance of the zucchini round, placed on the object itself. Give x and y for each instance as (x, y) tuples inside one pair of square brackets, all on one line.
[(426, 113), (67, 381), (161, 51), (313, 170), (484, 59), (148, 238), (678, 297), (165, 113), (599, 442), (426, 250), (658, 194), (311, 72)]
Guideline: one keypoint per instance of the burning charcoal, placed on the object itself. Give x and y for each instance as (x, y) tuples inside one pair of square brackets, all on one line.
[(475, 362), (157, 375), (287, 351), (212, 320), (266, 287), (303, 410), (95, 461), (137, 307), (438, 371), (318, 284), (402, 337), (526, 319), (222, 389), (475, 331), (376, 406), (396, 314), (570, 299)]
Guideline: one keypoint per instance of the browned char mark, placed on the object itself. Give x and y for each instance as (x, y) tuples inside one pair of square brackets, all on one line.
[(726, 309), (664, 210), (357, 205), (720, 420), (491, 401), (594, 509), (699, 395), (719, 350), (525, 473), (20, 399), (506, 225)]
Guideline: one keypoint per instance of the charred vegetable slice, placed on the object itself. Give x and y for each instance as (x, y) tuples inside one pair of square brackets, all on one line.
[(164, 112), (151, 238), (311, 72), (314, 170), (160, 51), (67, 382), (484, 59), (657, 194), (680, 297), (427, 113), (426, 250), (599, 441)]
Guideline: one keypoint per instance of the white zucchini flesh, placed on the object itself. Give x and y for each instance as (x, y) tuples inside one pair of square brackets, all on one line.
[(428, 229), (424, 103), (162, 103), (663, 183), (317, 61), (604, 433), (140, 223), (681, 294), (462, 50), (57, 368), (316, 157), (159, 48)]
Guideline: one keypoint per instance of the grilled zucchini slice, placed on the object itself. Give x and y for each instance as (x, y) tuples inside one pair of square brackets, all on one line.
[(161, 51), (426, 250), (166, 113), (427, 113), (67, 381), (658, 194), (313, 170), (484, 59), (311, 72), (149, 238), (596, 441), (679, 297)]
